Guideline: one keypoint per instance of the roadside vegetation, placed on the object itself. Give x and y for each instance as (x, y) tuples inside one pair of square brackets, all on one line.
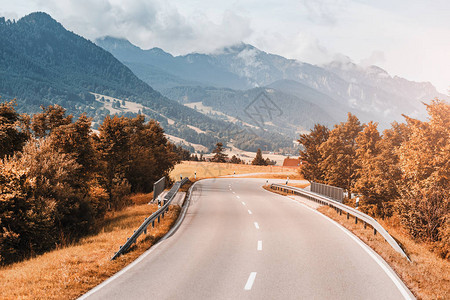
[(70, 271), (402, 174), (58, 179)]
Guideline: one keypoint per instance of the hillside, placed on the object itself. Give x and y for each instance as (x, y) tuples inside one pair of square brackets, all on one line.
[(41, 63)]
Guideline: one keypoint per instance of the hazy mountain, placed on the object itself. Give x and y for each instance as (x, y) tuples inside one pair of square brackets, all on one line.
[(370, 92), (42, 63)]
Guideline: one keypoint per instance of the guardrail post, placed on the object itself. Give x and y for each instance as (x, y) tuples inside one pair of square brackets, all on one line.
[(356, 220), (340, 212), (159, 219), (348, 216), (365, 225), (374, 231), (153, 224)]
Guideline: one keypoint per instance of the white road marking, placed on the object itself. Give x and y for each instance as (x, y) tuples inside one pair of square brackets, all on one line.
[(259, 248), (238, 197), (249, 212), (234, 192), (243, 203), (256, 225), (250, 280)]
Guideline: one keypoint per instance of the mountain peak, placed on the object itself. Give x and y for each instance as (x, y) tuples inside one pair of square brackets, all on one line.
[(38, 17)]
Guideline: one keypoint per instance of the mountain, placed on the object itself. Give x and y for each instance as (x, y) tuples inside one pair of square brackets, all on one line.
[(162, 70), (369, 92), (41, 63)]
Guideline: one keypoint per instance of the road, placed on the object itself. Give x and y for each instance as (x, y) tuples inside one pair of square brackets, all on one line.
[(239, 241)]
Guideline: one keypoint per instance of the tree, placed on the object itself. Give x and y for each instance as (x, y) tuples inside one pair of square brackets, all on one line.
[(112, 145), (219, 156), (52, 117), (310, 154), (259, 160), (75, 139), (26, 225), (424, 159), (236, 160), (379, 173), (339, 154), (12, 138), (151, 154)]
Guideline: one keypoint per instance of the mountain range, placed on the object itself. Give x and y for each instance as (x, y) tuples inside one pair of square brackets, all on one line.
[(336, 88)]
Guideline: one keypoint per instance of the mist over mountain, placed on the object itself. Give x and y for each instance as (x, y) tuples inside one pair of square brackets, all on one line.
[(41, 63), (369, 92)]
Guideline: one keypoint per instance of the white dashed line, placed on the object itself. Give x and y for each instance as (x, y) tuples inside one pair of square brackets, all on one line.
[(259, 248), (249, 212), (243, 203), (238, 197), (256, 225), (250, 280)]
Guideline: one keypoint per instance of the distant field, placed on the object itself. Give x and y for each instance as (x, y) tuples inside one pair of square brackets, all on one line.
[(209, 169)]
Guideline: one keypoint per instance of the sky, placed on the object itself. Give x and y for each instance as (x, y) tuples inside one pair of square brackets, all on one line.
[(408, 38)]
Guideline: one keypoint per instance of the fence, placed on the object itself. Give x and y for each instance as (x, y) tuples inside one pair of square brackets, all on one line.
[(339, 207), (155, 216), (328, 190)]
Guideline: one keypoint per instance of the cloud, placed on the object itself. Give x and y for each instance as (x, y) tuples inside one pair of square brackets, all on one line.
[(323, 12), (377, 57), (148, 23)]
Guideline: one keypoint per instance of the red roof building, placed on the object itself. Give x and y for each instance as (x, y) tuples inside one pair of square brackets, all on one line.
[(291, 162)]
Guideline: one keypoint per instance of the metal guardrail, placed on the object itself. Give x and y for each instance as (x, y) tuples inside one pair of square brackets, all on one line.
[(155, 216), (339, 207)]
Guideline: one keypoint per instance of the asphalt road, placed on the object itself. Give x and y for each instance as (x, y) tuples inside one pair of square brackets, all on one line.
[(239, 241)]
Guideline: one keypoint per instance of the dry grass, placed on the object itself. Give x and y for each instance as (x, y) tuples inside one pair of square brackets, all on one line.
[(141, 198), (427, 276), (71, 271), (209, 170)]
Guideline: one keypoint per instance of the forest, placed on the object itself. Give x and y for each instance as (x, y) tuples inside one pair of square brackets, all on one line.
[(58, 178), (402, 172)]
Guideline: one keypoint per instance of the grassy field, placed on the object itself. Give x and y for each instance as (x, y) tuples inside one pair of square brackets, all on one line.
[(69, 272), (427, 276), (209, 170)]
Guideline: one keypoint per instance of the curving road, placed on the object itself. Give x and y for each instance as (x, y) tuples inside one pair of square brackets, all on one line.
[(239, 241)]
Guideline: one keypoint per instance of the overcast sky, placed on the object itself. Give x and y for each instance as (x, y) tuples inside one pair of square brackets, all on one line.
[(408, 38)]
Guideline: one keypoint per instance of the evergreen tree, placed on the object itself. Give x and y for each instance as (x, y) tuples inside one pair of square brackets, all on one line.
[(219, 156), (236, 160), (310, 154), (259, 160), (339, 154)]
